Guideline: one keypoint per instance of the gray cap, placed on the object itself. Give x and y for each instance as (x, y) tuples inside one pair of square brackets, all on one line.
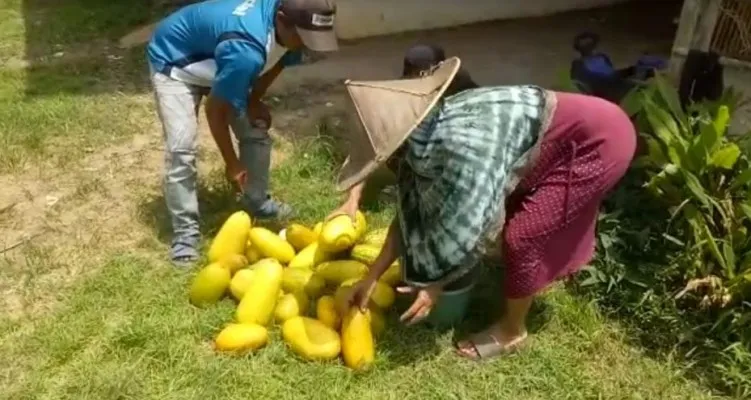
[(314, 21)]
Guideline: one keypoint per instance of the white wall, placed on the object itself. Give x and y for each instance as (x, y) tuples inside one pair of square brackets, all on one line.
[(364, 18)]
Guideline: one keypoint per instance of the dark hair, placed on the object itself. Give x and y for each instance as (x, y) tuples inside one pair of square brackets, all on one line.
[(421, 58), (586, 42)]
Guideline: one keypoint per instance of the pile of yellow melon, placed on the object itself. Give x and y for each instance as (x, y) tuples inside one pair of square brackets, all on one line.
[(298, 279)]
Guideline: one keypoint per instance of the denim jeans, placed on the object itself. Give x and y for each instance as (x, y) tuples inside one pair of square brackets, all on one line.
[(177, 105)]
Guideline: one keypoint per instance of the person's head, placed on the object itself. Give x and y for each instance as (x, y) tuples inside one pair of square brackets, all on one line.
[(586, 43), (424, 57), (421, 58), (306, 23)]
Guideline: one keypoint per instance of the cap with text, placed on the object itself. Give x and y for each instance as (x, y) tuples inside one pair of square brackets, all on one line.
[(314, 21)]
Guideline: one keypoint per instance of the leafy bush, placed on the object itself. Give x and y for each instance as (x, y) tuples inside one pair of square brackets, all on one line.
[(674, 243)]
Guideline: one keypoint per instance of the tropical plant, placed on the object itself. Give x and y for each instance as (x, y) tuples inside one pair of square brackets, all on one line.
[(703, 177)]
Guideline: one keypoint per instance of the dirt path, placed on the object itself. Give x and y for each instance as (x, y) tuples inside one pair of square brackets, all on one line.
[(57, 225)]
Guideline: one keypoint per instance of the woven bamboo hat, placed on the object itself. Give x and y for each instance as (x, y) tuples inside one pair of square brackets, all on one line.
[(387, 112)]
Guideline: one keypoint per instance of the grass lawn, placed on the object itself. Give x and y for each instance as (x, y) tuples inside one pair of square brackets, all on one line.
[(91, 310)]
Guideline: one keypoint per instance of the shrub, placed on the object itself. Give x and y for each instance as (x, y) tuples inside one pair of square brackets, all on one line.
[(679, 261)]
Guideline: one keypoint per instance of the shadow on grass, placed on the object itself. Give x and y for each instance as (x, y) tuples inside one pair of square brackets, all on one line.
[(486, 305), (71, 46), (411, 345), (305, 181)]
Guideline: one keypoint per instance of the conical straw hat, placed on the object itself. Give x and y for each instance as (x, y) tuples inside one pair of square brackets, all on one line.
[(388, 111)]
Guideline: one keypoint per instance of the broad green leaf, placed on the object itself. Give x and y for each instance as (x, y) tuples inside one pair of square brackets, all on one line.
[(711, 243), (719, 208), (654, 151), (704, 144), (740, 236), (694, 219), (721, 120), (633, 102), (666, 129), (695, 187), (746, 209), (742, 179), (669, 95), (729, 256), (725, 157)]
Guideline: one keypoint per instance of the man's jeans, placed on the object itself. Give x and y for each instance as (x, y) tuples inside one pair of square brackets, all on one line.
[(177, 105)]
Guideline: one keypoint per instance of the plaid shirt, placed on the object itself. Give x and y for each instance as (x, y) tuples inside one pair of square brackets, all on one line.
[(455, 171)]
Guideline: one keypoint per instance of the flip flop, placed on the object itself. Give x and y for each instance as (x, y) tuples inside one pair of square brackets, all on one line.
[(488, 346)]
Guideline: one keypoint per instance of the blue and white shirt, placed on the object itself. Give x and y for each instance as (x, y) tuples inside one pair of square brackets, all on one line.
[(222, 44)]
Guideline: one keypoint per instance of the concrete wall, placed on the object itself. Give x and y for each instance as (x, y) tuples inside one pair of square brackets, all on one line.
[(358, 19), (364, 18)]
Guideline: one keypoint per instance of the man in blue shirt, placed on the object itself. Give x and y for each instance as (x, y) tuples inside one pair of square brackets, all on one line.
[(218, 48)]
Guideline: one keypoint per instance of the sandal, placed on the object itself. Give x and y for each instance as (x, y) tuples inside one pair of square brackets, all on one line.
[(488, 346), (183, 255)]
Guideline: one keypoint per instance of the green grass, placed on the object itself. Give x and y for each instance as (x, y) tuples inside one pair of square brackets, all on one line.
[(128, 331), (64, 87)]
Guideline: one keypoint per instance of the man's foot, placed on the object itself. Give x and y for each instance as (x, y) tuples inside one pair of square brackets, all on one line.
[(184, 252), (490, 343), (272, 209)]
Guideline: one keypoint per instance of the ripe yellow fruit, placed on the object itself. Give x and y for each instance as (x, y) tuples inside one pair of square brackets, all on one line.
[(241, 337), (326, 312), (361, 225), (300, 236), (311, 339), (258, 303), (383, 295), (365, 253), (392, 275), (309, 257), (338, 234), (358, 346), (376, 237), (209, 285), (234, 262), (338, 271), (291, 305), (241, 282), (299, 279), (231, 238), (317, 229), (271, 245), (252, 254)]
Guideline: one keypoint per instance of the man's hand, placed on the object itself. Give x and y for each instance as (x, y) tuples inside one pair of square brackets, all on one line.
[(257, 110), (238, 176)]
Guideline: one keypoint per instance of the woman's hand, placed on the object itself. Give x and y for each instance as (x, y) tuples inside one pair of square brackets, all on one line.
[(425, 300), (351, 205), (348, 208), (358, 295)]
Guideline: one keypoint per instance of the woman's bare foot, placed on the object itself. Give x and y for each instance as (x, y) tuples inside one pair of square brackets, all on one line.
[(491, 342)]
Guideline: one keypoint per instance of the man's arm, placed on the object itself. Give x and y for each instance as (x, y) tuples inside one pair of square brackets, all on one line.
[(218, 112), (265, 81), (238, 65)]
